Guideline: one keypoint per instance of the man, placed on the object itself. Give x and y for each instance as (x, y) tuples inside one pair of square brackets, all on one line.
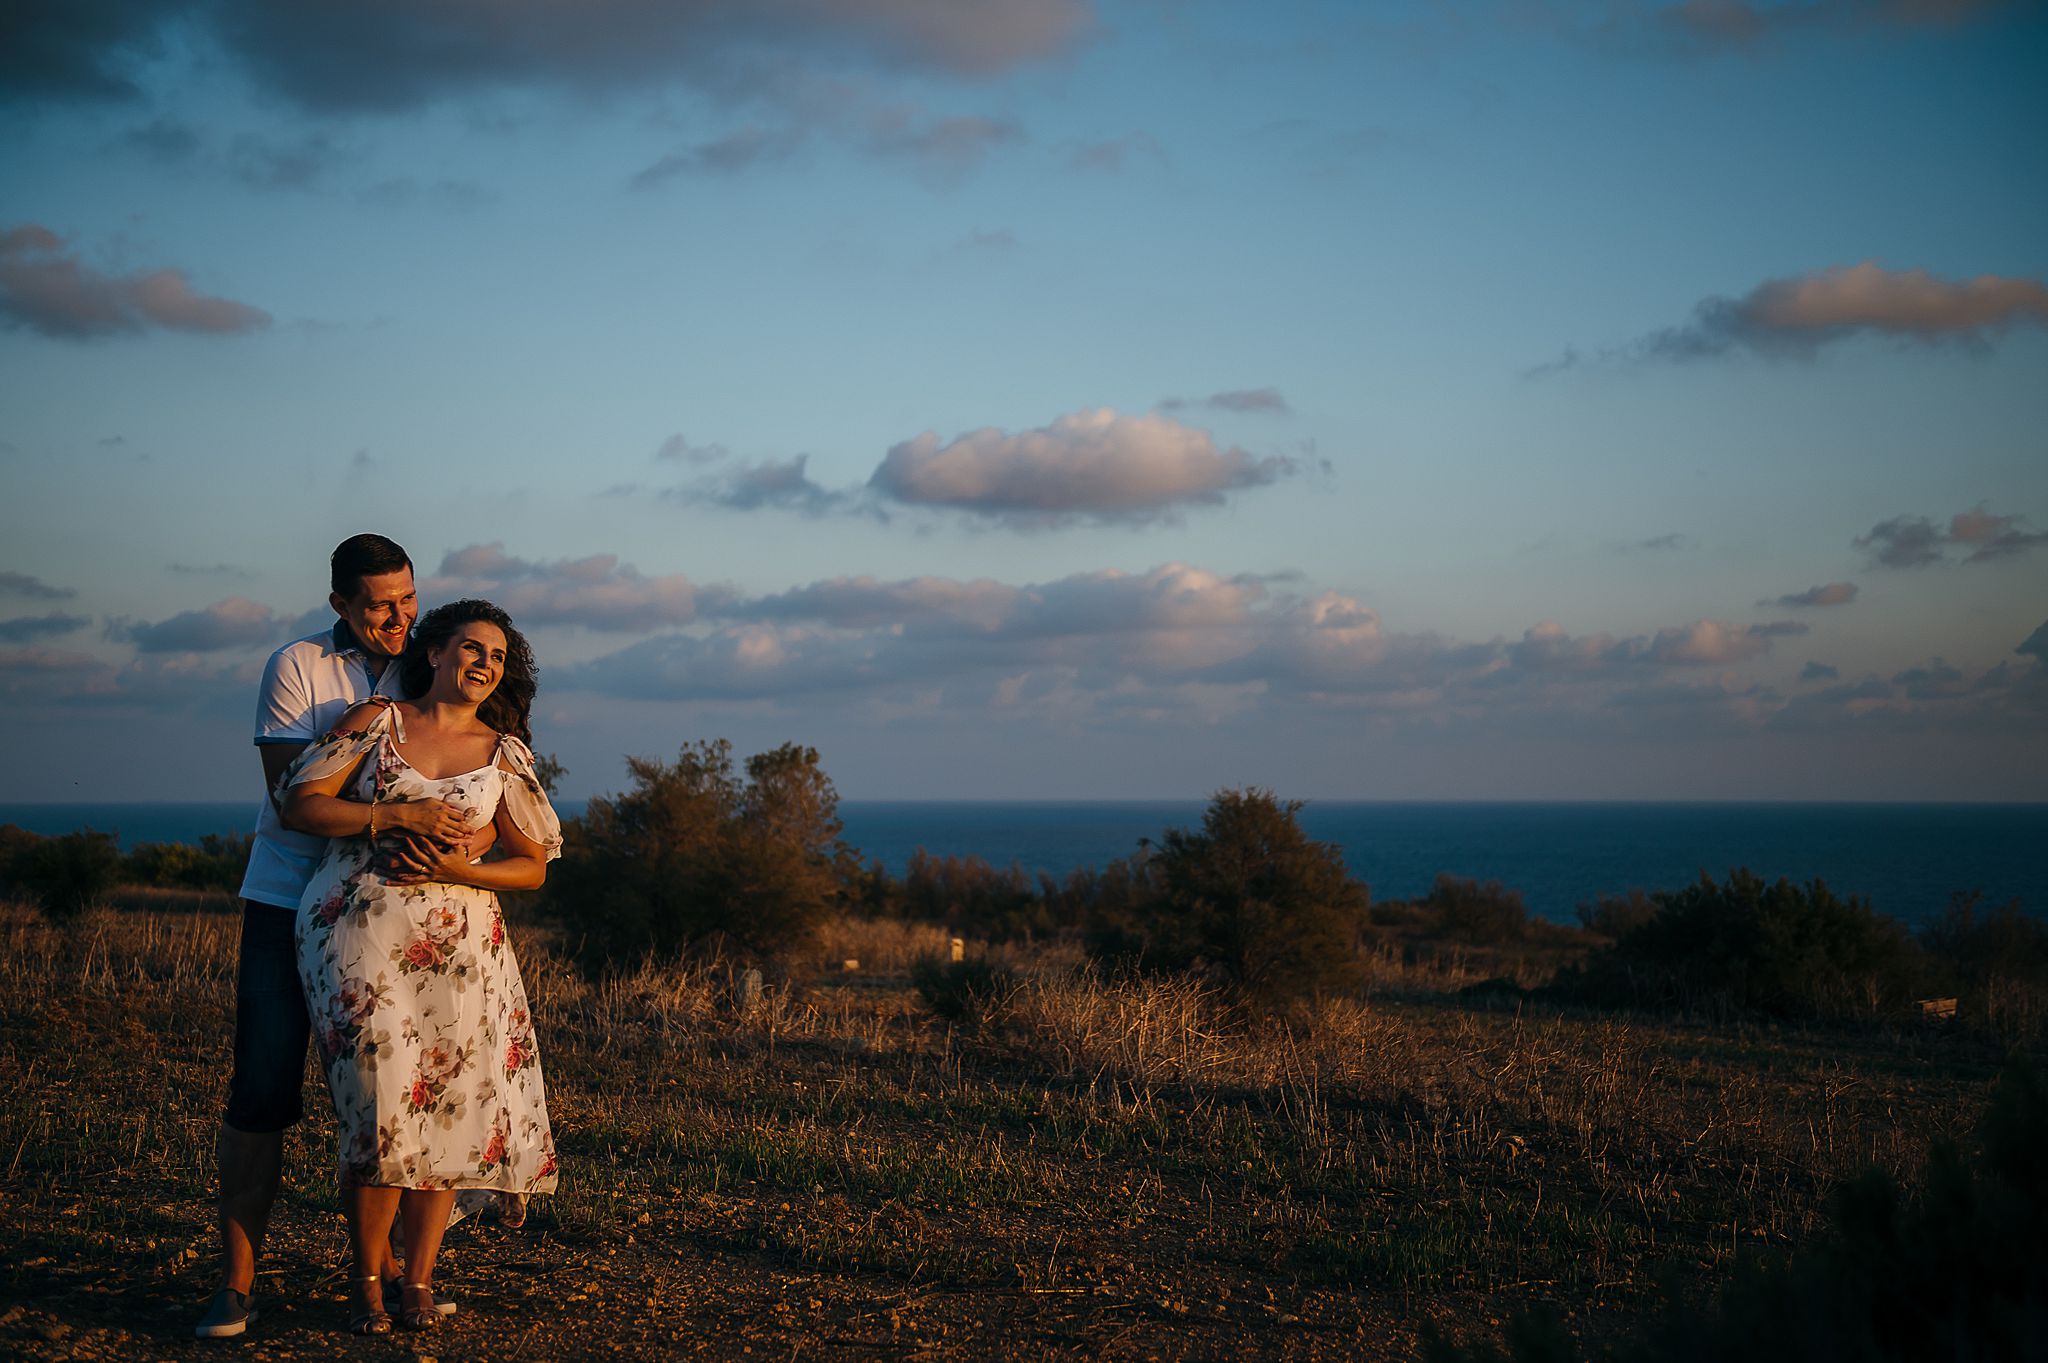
[(307, 686)]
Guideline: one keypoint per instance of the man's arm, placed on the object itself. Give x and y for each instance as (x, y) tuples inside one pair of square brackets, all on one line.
[(276, 757)]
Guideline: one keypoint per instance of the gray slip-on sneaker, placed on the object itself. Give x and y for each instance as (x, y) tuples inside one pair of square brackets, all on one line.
[(227, 1315)]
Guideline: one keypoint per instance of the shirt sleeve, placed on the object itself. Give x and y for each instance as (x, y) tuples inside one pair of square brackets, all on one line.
[(284, 702)]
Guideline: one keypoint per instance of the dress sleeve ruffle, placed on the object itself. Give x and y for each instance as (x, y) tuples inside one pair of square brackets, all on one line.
[(335, 751), (524, 798)]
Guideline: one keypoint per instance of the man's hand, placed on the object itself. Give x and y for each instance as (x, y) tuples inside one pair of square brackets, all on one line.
[(417, 861), (404, 858), (410, 859)]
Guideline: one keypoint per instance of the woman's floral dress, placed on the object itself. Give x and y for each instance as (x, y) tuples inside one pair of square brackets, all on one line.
[(416, 1001)]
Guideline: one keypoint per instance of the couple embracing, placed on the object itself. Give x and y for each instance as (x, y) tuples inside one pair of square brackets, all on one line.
[(396, 757)]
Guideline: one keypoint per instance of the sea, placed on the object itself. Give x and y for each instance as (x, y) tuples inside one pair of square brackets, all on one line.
[(1907, 860)]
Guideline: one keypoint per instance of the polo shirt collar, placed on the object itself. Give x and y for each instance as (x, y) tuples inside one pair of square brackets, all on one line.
[(345, 640)]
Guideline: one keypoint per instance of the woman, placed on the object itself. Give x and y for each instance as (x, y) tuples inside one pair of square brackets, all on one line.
[(416, 1000)]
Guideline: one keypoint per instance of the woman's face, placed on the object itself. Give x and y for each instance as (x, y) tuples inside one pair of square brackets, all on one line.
[(471, 663)]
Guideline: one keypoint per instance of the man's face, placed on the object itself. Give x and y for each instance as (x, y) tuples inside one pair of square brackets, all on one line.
[(381, 612)]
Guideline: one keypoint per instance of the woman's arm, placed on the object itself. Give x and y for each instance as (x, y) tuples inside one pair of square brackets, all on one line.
[(317, 806)]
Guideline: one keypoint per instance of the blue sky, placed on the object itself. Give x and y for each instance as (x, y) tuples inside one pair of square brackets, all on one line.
[(1055, 398)]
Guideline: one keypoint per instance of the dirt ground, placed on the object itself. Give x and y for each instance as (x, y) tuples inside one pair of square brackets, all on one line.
[(1081, 1169)]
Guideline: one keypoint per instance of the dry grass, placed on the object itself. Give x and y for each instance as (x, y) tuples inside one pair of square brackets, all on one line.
[(1089, 1166)]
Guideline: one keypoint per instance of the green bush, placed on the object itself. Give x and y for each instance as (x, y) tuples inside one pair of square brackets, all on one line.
[(1000, 905), (65, 875), (694, 855), (215, 863), (1478, 914), (1616, 916), (1792, 950), (1248, 899), (1994, 963), (15, 842)]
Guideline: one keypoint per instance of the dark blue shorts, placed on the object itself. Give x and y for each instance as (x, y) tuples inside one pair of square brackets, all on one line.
[(267, 1091)]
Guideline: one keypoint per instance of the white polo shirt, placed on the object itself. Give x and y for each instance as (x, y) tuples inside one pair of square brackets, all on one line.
[(308, 685)]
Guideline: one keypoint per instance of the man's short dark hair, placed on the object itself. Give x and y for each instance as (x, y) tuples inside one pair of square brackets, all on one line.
[(361, 556)]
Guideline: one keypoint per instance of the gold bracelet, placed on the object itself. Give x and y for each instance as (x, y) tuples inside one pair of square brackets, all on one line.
[(373, 820)]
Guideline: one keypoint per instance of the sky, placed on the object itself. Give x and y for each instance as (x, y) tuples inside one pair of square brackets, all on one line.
[(1049, 399)]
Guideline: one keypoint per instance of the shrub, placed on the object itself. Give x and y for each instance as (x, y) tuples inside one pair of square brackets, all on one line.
[(65, 875), (1995, 962), (15, 842), (1488, 914), (215, 863), (1794, 950), (694, 855), (1249, 900), (967, 890), (1616, 916)]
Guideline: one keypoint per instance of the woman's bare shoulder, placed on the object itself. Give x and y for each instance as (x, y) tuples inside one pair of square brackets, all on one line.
[(361, 717)]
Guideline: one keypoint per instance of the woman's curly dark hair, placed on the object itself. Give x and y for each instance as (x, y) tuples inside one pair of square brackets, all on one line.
[(505, 709)]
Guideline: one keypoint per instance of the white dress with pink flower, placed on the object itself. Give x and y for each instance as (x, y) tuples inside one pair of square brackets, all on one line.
[(416, 1000)]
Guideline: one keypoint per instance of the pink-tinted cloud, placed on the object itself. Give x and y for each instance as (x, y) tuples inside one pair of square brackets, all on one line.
[(1830, 594), (1750, 25), (1918, 542), (1990, 536), (398, 54), (1092, 464), (1265, 401), (235, 622), (597, 592), (43, 673), (1547, 647), (47, 290), (1796, 316), (1112, 638)]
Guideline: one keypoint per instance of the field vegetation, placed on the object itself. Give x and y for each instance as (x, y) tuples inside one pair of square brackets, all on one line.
[(1208, 1102)]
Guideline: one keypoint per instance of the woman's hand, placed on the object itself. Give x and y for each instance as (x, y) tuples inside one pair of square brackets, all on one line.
[(433, 820), (417, 861)]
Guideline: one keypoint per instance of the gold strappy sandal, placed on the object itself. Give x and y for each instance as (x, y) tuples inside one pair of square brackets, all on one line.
[(419, 1310), (370, 1320)]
